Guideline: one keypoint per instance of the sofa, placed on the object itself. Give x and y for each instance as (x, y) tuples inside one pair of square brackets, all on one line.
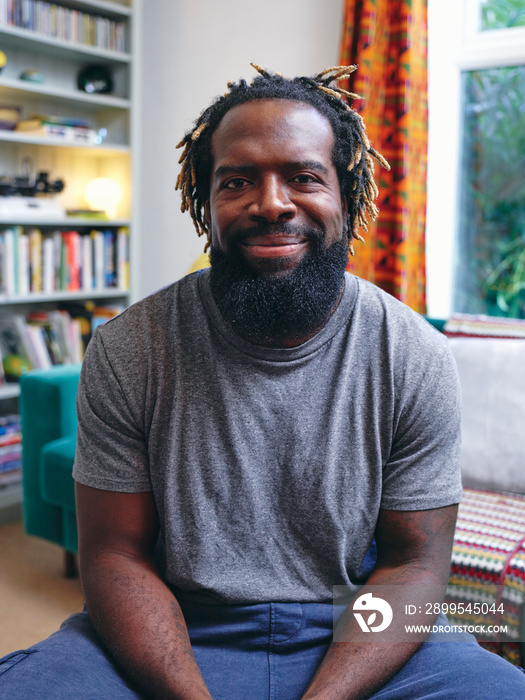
[(489, 547)]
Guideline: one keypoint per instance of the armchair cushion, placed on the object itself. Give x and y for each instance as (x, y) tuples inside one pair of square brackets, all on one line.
[(493, 389)]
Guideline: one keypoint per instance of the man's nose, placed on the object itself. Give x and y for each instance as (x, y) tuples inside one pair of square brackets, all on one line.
[(272, 202)]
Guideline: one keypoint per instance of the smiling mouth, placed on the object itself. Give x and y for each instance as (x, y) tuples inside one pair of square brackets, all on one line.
[(274, 246)]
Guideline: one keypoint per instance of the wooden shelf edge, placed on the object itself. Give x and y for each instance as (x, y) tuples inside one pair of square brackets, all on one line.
[(69, 95), (113, 8), (65, 223), (9, 391), (61, 44), (37, 297), (22, 137)]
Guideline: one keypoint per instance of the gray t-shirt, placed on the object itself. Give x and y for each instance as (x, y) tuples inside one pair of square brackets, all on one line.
[(268, 465)]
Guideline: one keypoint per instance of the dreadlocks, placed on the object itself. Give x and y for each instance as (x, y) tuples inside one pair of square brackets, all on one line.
[(353, 155)]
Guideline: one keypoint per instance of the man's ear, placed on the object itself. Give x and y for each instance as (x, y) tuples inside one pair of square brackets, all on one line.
[(207, 214), (344, 205), (344, 209)]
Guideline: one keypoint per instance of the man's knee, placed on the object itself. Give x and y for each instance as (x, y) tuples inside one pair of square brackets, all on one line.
[(71, 663)]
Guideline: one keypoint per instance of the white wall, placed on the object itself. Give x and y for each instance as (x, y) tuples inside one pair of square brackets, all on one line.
[(190, 50)]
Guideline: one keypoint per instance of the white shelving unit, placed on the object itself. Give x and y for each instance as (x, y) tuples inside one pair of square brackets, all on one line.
[(23, 153)]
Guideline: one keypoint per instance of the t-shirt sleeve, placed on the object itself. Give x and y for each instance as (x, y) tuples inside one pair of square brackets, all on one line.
[(423, 469), (111, 450)]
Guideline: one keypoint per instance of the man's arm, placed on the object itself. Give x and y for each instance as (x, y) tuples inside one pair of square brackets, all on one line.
[(414, 549), (132, 609)]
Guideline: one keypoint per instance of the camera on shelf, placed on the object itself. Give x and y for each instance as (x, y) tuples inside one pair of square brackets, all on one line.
[(28, 186)]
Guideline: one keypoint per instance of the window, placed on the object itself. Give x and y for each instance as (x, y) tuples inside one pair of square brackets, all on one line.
[(502, 14), (476, 214)]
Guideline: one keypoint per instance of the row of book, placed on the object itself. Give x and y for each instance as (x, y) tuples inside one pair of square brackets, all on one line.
[(64, 23), (69, 130), (45, 338), (36, 262), (10, 450)]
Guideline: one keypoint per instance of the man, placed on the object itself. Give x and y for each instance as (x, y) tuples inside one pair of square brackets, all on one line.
[(254, 435)]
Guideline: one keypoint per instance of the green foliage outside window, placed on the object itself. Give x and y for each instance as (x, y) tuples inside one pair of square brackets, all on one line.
[(490, 276), (502, 14)]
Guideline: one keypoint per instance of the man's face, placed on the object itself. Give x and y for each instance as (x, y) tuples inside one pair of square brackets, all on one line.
[(272, 181)]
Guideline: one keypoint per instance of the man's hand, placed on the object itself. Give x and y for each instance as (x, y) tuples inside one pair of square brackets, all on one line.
[(132, 609), (414, 549)]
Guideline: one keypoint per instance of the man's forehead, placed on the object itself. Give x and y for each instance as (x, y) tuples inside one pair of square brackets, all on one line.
[(290, 122)]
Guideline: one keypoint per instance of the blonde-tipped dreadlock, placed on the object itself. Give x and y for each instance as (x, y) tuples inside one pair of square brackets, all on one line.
[(353, 155)]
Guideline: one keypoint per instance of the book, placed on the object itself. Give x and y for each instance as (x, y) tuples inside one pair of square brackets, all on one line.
[(123, 257), (110, 277), (35, 260), (42, 358), (8, 264), (98, 258), (72, 259), (10, 424), (86, 250), (68, 132), (48, 264), (42, 321), (23, 268)]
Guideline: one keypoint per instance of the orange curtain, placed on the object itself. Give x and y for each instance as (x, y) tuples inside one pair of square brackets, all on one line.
[(387, 39)]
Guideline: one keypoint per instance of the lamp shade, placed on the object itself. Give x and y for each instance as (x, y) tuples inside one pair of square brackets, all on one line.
[(104, 194)]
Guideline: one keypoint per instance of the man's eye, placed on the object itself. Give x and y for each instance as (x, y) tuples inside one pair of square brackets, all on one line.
[(235, 184), (304, 178)]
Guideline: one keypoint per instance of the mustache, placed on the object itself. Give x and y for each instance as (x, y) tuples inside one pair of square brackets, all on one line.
[(264, 228)]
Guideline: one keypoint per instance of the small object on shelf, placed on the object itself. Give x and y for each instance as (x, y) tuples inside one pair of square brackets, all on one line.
[(15, 366), (3, 60), (19, 208), (91, 214), (64, 128), (95, 80), (9, 117), (15, 346), (32, 76), (29, 186)]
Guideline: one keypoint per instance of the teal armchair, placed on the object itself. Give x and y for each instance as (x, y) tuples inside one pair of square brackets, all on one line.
[(49, 424)]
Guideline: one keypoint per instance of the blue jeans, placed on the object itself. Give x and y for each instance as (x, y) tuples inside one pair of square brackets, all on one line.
[(252, 652)]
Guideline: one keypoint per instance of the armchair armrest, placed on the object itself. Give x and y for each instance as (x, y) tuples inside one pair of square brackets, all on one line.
[(48, 412)]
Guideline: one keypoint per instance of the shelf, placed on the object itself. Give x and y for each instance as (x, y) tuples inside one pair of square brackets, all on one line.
[(36, 297), (109, 9), (23, 137), (66, 223), (10, 86), (15, 37), (9, 391)]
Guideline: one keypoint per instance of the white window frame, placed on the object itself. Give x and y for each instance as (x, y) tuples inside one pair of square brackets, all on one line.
[(456, 43)]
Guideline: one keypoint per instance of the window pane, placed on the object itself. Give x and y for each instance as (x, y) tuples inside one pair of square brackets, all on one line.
[(490, 274), (501, 14)]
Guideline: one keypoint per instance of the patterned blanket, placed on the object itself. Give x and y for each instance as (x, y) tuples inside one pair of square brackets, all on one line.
[(488, 570)]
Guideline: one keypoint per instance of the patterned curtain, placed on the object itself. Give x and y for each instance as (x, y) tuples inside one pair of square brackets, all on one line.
[(388, 41)]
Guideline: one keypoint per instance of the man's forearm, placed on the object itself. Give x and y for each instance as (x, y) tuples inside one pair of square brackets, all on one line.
[(142, 625), (353, 669)]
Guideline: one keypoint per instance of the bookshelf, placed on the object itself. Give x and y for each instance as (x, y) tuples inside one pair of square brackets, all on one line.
[(31, 46)]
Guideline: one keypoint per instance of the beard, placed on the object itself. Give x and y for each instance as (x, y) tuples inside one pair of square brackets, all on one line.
[(294, 304)]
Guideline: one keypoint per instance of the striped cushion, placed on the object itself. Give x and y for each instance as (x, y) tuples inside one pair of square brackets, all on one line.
[(488, 563)]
